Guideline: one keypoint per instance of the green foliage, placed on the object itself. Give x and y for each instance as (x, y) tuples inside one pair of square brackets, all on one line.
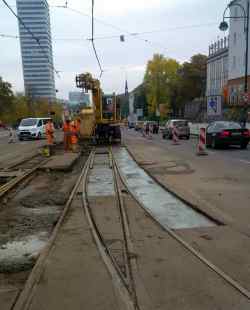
[(161, 74), (14, 108), (167, 82)]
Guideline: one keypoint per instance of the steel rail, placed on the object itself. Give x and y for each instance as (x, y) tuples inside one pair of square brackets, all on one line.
[(228, 279), (4, 189), (25, 298), (121, 282), (125, 229)]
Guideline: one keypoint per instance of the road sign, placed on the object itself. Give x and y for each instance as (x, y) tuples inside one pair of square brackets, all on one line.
[(214, 105)]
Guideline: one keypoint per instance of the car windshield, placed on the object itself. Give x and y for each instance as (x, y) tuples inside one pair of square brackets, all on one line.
[(227, 125), (28, 122)]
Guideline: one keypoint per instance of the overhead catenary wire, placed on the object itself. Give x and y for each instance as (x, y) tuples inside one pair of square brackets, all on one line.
[(93, 42), (132, 34), (31, 33), (109, 25)]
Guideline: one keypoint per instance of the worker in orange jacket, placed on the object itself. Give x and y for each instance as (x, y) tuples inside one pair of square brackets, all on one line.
[(74, 136), (49, 131), (67, 135), (78, 126)]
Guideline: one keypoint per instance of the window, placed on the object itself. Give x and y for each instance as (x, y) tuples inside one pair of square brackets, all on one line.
[(234, 62), (236, 13), (235, 38), (39, 123)]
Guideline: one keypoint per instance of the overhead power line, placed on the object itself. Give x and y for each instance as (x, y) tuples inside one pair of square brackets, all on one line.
[(133, 34), (93, 42), (108, 24), (31, 33)]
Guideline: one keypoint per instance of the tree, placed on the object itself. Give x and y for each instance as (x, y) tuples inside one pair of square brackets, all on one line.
[(193, 77), (6, 98), (160, 74)]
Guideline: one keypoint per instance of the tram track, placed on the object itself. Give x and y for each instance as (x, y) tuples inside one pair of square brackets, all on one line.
[(122, 275), (124, 272), (24, 169)]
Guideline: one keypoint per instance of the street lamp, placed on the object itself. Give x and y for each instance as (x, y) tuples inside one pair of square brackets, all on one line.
[(224, 26)]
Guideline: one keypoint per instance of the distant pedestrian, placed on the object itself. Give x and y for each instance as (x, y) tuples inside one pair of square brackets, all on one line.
[(147, 129), (12, 135)]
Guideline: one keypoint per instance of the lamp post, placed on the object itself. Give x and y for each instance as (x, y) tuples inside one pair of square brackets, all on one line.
[(224, 26)]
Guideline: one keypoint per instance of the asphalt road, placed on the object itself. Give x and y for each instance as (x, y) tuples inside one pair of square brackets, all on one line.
[(13, 152), (233, 154)]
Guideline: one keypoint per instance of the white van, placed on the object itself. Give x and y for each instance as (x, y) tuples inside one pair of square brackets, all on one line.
[(32, 128)]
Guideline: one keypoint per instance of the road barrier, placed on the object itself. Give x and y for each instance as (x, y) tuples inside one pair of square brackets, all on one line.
[(201, 148), (175, 136)]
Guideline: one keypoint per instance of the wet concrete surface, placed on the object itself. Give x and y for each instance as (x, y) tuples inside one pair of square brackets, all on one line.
[(28, 216), (165, 208)]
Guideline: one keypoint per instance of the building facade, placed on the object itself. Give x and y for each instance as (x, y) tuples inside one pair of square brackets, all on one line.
[(217, 76), (79, 98), (37, 58), (237, 48)]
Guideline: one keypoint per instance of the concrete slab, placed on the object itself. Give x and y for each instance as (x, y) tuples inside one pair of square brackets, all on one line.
[(74, 276), (63, 162), (172, 276)]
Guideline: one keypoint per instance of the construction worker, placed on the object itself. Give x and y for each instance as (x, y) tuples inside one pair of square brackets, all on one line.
[(74, 136), (67, 135), (49, 131), (78, 126)]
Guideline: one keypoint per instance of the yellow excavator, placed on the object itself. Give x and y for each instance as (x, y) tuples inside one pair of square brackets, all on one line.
[(101, 121)]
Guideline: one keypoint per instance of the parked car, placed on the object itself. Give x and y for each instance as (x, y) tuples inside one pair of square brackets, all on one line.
[(222, 133), (32, 128), (181, 125)]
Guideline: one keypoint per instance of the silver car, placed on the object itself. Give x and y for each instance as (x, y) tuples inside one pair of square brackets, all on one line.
[(182, 128)]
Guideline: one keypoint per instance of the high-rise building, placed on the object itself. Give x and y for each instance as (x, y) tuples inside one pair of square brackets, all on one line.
[(37, 57)]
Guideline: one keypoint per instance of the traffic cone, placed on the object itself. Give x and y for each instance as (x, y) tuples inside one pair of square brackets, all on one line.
[(201, 148), (175, 136)]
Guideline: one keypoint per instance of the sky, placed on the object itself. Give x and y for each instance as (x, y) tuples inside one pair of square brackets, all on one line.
[(177, 29)]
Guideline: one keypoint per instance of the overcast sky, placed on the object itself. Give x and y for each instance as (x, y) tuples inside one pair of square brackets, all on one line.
[(176, 38)]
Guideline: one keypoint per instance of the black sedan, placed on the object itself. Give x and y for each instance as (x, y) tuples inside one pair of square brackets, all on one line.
[(227, 133)]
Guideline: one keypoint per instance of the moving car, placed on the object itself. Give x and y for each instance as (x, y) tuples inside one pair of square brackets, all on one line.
[(222, 133), (181, 125), (32, 128)]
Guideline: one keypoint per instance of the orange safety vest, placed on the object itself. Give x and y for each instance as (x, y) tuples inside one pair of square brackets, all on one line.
[(49, 130), (66, 127), (74, 138), (78, 125)]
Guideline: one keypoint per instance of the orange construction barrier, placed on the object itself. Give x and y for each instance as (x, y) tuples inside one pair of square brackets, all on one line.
[(201, 148), (175, 134)]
